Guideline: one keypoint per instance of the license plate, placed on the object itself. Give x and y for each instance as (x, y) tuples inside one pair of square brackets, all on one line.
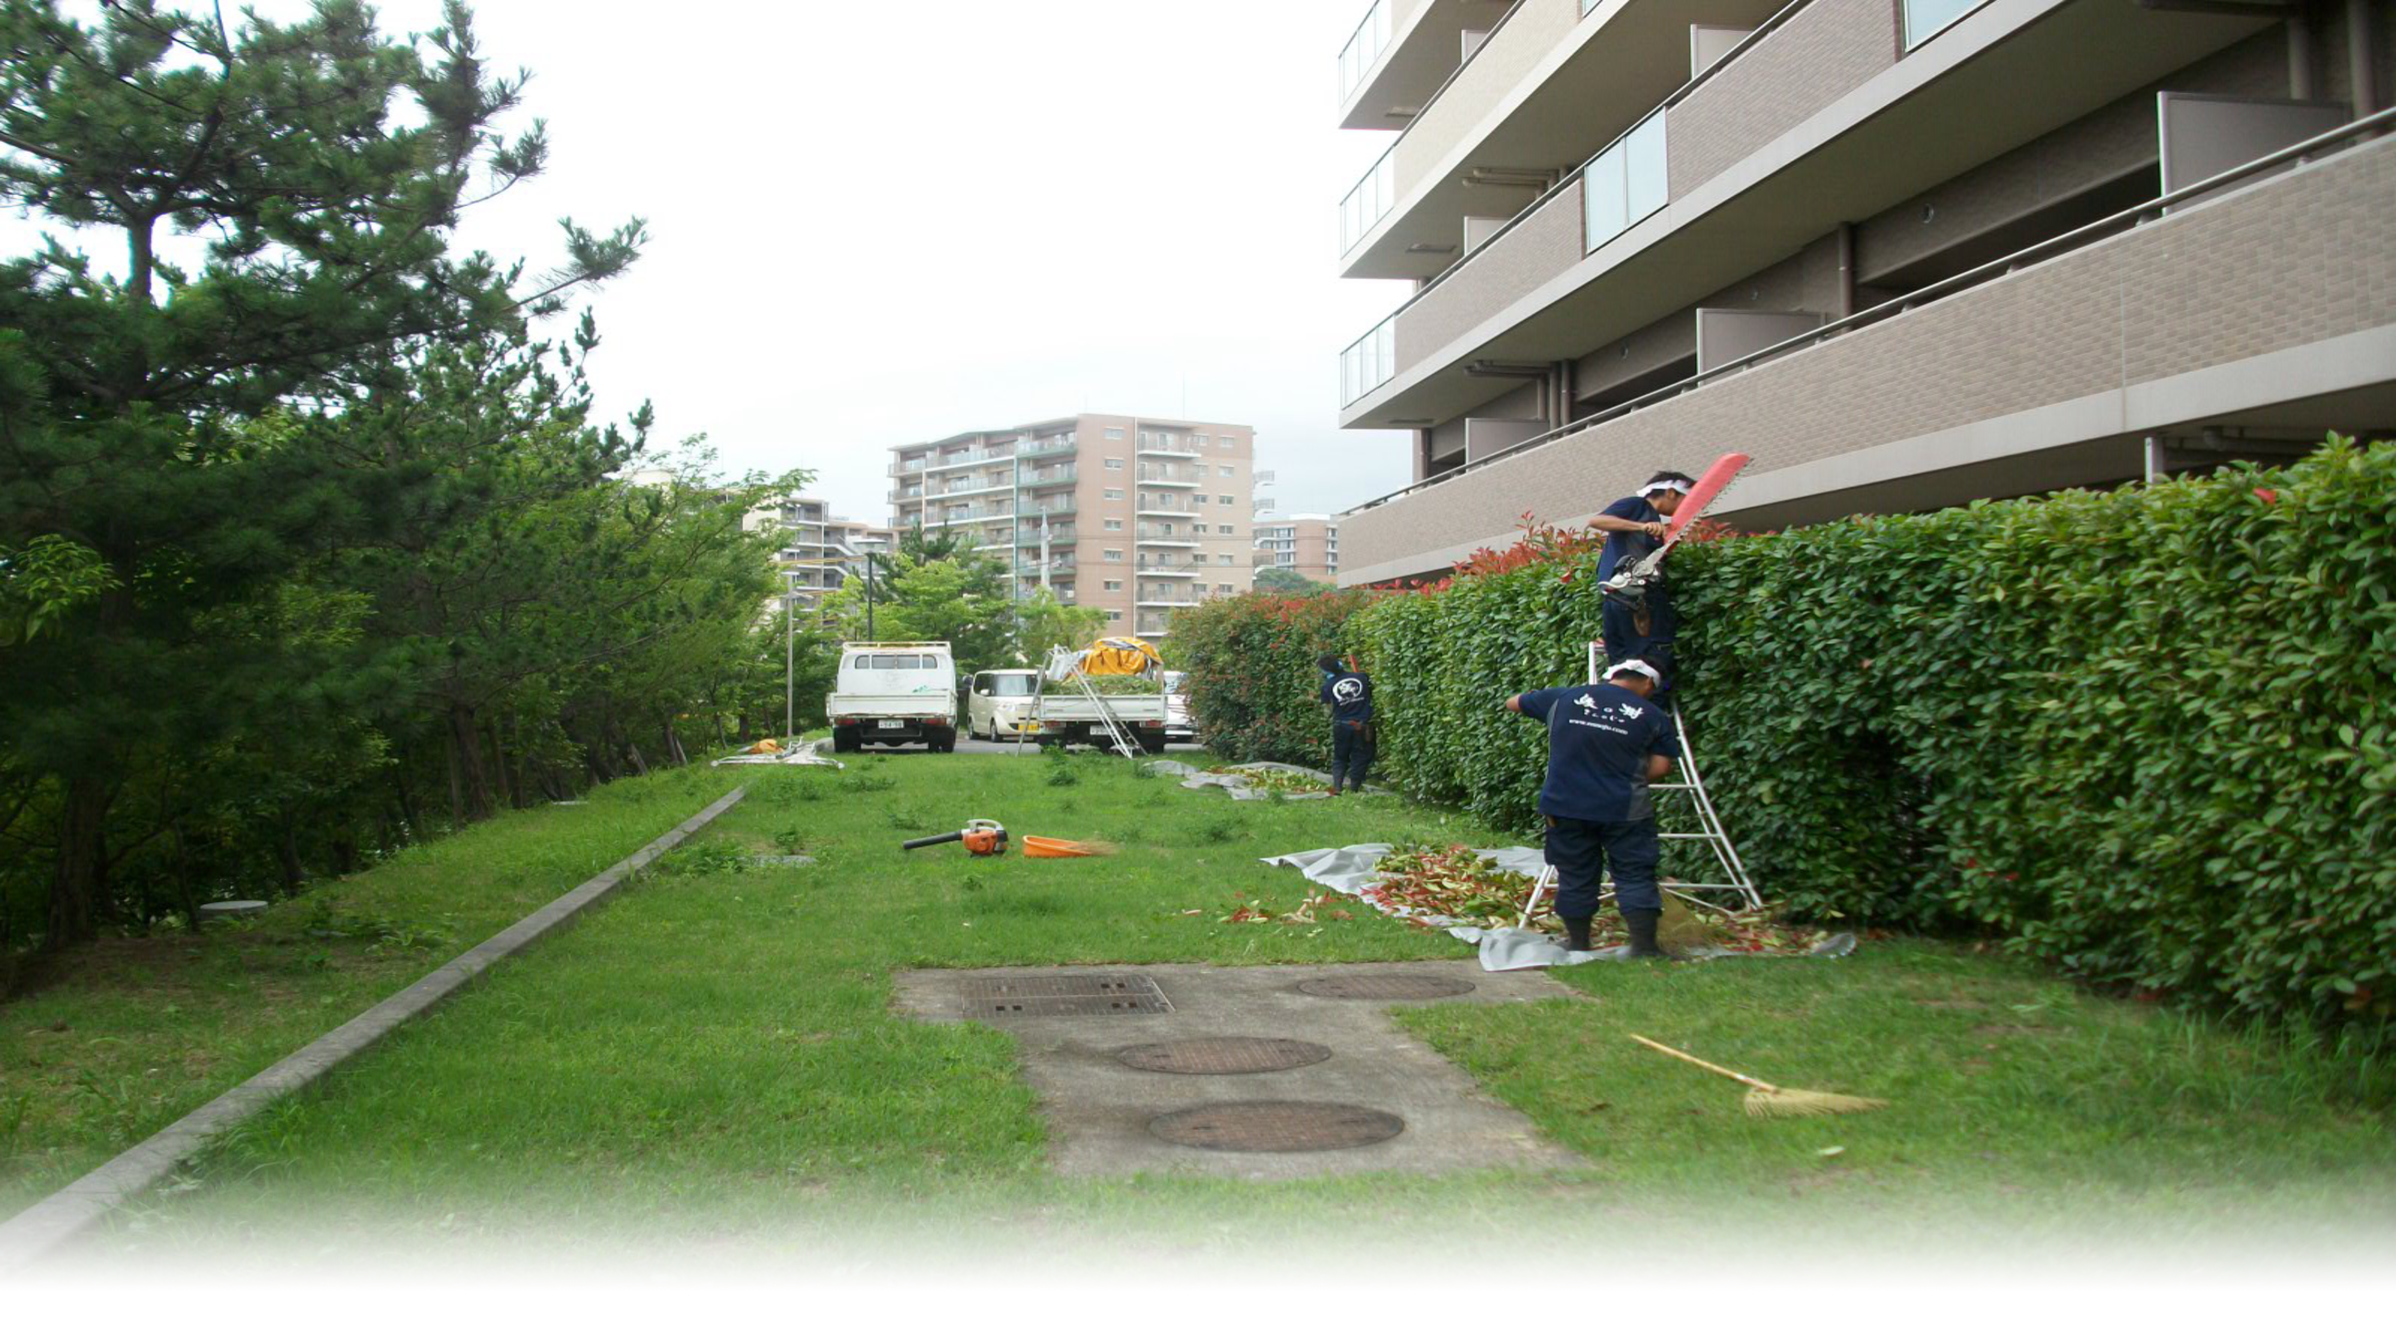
[(891, 723)]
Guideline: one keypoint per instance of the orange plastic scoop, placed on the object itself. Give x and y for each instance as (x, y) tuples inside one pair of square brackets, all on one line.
[(1042, 846)]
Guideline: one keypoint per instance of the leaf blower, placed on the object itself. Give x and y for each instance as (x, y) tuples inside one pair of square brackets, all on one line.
[(984, 839)]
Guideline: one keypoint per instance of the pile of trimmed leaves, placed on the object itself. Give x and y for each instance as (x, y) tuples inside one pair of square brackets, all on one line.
[(1124, 685), (1274, 781), (1423, 883)]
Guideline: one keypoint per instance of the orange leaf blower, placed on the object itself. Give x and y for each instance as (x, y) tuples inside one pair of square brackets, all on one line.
[(984, 839)]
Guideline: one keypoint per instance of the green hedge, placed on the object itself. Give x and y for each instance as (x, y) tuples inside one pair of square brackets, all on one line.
[(1252, 661), (2145, 735)]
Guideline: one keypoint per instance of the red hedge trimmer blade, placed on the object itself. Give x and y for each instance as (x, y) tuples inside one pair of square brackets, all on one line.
[(1626, 585)]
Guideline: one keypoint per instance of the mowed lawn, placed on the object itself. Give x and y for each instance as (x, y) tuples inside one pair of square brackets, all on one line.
[(712, 1056)]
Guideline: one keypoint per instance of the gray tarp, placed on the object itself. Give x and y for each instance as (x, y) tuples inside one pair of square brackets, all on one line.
[(1234, 785)]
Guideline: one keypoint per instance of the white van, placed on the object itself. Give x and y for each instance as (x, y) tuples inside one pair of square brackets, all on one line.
[(998, 703), (893, 692)]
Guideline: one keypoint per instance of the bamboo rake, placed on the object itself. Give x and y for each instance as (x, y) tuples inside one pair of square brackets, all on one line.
[(1765, 1099)]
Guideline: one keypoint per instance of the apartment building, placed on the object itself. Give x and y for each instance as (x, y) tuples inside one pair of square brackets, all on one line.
[(1905, 253), (820, 552), (1124, 513), (1305, 542)]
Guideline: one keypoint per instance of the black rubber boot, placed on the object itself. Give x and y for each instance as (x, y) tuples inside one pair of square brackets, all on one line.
[(1579, 933), (1641, 928)]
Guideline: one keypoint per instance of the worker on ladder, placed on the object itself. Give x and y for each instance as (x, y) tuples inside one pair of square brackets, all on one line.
[(1636, 525), (1607, 742)]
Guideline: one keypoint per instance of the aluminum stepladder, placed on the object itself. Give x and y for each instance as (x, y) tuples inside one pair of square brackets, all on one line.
[(1712, 830), (1067, 666)]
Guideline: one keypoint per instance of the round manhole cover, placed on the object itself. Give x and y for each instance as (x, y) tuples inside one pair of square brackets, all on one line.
[(1387, 987), (1277, 1127), (1223, 1055)]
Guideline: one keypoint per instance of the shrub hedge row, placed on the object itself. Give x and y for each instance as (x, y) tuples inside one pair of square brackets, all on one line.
[(2145, 735)]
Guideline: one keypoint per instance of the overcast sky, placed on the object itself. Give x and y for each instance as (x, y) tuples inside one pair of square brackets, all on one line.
[(877, 223)]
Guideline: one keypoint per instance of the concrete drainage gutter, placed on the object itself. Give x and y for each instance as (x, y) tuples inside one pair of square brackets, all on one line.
[(77, 1208)]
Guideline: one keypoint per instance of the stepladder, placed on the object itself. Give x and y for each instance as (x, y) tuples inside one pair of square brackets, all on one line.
[(1729, 889)]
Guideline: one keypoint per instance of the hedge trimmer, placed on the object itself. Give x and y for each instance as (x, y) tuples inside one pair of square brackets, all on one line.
[(1628, 585)]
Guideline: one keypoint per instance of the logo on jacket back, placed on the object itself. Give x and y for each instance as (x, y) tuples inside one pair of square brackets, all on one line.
[(1587, 704), (1349, 689)]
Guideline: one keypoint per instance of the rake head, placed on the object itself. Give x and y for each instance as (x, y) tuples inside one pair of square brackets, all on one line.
[(1803, 1102)]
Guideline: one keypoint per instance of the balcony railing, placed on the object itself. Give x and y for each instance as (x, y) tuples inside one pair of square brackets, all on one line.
[(1029, 537), (1053, 475), (1151, 533), (1368, 201), (1368, 363), (1046, 448), (1156, 599), (2139, 215), (1921, 19), (1148, 474), (1053, 506), (1167, 444), (1364, 48)]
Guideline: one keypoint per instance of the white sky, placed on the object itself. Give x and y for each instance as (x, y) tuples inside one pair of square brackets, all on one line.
[(877, 222)]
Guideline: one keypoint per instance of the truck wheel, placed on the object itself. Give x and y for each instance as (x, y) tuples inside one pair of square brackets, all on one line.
[(845, 740), (1154, 743), (946, 743)]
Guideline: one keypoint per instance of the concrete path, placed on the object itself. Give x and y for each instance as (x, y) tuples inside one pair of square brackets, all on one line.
[(1104, 1114)]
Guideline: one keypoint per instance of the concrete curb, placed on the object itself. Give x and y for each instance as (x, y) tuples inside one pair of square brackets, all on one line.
[(70, 1212)]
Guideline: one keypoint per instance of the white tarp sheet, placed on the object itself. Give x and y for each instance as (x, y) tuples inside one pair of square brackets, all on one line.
[(1231, 781)]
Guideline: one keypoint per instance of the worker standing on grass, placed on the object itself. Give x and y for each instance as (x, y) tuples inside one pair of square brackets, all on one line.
[(1636, 526), (1607, 742), (1353, 700)]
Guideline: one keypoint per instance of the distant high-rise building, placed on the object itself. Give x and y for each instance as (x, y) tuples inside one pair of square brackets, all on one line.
[(1904, 253), (1305, 542), (1130, 515), (820, 551)]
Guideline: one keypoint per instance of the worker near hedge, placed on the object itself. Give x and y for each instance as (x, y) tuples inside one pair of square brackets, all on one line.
[(1636, 526), (1607, 742), (1353, 700)]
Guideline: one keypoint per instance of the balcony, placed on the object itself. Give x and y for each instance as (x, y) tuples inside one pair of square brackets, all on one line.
[(1180, 476), (1043, 449), (2256, 303), (1773, 147), (1161, 598), (1164, 535), (1031, 538), (1167, 444), (1044, 478), (1048, 506), (1546, 88)]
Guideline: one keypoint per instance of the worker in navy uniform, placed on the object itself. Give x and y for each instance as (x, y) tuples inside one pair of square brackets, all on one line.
[(1353, 700), (1636, 526), (1607, 742)]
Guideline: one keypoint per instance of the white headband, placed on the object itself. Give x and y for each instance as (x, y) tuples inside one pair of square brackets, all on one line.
[(1634, 666), (1661, 486)]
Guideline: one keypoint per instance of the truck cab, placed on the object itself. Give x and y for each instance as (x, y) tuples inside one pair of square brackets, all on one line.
[(1000, 702), (893, 693)]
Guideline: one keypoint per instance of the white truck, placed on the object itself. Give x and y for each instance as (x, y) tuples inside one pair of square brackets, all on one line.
[(1067, 717), (894, 692)]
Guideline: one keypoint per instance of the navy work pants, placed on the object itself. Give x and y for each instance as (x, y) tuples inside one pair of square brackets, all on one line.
[(1580, 849), (1623, 640), (1353, 752)]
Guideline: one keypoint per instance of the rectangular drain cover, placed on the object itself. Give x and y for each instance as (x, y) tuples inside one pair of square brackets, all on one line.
[(1034, 996)]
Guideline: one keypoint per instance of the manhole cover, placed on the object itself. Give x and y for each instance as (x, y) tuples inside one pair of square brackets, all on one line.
[(1223, 1055), (1277, 1127), (1063, 994), (1387, 987)]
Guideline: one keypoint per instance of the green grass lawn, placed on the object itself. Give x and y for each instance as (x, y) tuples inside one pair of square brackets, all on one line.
[(711, 1055), (113, 1042)]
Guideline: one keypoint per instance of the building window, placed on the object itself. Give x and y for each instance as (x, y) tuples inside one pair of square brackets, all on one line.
[(1224, 589), (1112, 585), (1113, 463), (1224, 530), (1224, 560), (1116, 615), (1224, 444), (1224, 500), (1116, 433), (1625, 183), (1112, 555), (1225, 472), (1112, 523), (1113, 495)]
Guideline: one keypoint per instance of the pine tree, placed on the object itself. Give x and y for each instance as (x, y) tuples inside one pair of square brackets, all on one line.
[(279, 202)]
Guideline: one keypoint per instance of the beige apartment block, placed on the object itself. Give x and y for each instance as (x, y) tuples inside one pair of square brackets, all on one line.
[(1124, 513), (1905, 253), (1303, 542), (819, 552)]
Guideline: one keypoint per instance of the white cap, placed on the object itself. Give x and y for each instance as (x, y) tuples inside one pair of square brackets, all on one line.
[(1633, 666), (1661, 486)]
